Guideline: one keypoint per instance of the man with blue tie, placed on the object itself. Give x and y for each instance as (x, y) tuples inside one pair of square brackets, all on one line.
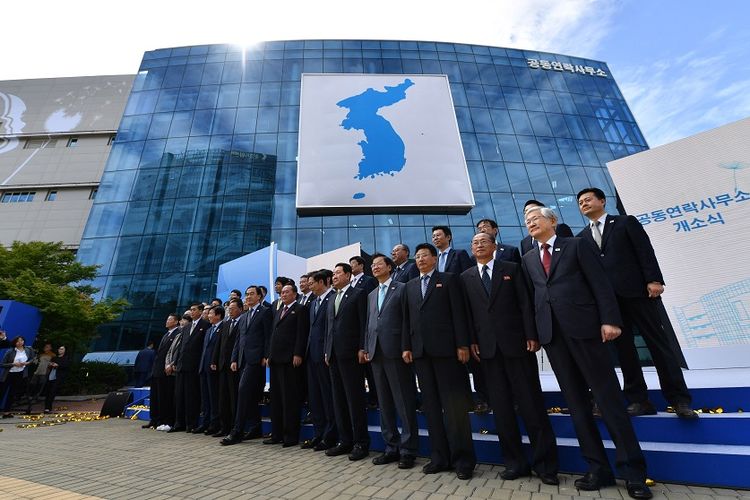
[(209, 377), (249, 358), (449, 260), (437, 342), (320, 397), (394, 380)]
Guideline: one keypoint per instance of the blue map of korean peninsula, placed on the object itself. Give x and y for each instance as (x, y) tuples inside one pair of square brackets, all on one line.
[(383, 150)]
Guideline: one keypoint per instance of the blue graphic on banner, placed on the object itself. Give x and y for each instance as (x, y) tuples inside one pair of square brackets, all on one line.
[(383, 150), (685, 211)]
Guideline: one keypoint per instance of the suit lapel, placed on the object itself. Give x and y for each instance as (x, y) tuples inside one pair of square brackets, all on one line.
[(497, 280), (449, 258), (434, 279), (609, 222), (391, 289), (557, 251)]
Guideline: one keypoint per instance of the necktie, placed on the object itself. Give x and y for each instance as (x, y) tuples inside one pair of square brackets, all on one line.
[(425, 282), (339, 295), (596, 233), (546, 258), (486, 280), (283, 312), (234, 322), (441, 261), (318, 302), (381, 296)]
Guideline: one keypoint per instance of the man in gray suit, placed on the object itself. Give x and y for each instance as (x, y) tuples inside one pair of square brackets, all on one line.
[(394, 380)]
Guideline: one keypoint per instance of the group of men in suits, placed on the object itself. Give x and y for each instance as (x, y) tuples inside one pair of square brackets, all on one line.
[(435, 320)]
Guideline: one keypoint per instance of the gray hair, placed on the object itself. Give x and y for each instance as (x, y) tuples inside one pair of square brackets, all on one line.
[(545, 212)]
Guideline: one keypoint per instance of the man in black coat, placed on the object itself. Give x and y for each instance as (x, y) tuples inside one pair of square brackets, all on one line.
[(162, 386), (221, 363), (359, 278), (209, 377), (320, 396), (504, 341), (249, 360), (630, 264), (287, 349), (187, 383), (449, 260), (344, 348), (437, 341), (562, 230), (576, 313), (405, 269), (394, 379)]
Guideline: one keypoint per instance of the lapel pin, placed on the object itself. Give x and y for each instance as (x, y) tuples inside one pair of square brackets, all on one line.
[(557, 249), (438, 285), (506, 278)]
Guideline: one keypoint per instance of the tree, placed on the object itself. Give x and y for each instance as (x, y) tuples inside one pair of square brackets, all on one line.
[(47, 276)]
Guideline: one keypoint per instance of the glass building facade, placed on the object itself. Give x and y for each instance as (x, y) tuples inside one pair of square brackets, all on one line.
[(203, 169)]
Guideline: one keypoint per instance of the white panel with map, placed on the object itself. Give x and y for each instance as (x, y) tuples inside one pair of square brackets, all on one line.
[(379, 143)]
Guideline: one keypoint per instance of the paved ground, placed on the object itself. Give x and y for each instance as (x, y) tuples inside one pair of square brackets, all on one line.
[(117, 459)]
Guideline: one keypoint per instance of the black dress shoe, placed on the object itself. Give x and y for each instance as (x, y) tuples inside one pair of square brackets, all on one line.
[(310, 443), (322, 446), (683, 410), (220, 433), (253, 434), (638, 490), (433, 468), (289, 444), (176, 429), (198, 430), (359, 452), (511, 474), (464, 475), (272, 441), (593, 481), (210, 431), (386, 458), (549, 478), (230, 440), (638, 409), (339, 449), (406, 461)]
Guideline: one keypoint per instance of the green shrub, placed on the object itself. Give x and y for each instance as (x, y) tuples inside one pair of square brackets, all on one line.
[(93, 377)]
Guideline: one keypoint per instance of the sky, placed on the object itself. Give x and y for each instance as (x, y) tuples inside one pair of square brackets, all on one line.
[(682, 65)]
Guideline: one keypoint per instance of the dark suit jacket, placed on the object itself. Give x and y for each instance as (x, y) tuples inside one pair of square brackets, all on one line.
[(226, 338), (408, 271), (209, 343), (254, 338), (562, 231), (627, 255), (161, 353), (504, 320), (289, 334), (457, 261), (577, 291), (386, 326), (316, 342), (435, 326), (345, 331), (191, 346), (144, 360), (366, 283)]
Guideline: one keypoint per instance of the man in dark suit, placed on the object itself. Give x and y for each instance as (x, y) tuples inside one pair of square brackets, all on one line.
[(344, 349), (630, 264), (576, 312), (405, 269), (187, 383), (394, 380), (162, 386), (320, 396), (209, 377), (288, 344), (504, 252), (249, 359), (143, 365), (562, 230), (449, 260), (504, 341), (221, 364), (437, 342), (359, 278)]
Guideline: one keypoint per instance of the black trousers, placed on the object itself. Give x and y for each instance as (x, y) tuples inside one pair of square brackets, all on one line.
[(50, 393), (15, 384), (516, 380), (210, 399), (446, 401), (162, 400), (320, 399), (187, 397), (644, 314), (286, 381), (249, 395), (229, 385), (348, 389), (580, 364)]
